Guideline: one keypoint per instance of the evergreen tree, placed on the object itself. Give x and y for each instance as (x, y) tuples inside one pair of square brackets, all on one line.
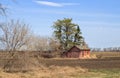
[(78, 40), (67, 33)]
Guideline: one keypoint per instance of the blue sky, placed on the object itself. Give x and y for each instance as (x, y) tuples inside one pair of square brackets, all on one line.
[(99, 20)]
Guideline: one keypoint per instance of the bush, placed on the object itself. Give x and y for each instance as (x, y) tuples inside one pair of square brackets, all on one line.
[(19, 62)]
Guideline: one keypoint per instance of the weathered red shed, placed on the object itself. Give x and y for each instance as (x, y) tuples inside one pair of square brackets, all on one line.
[(77, 52)]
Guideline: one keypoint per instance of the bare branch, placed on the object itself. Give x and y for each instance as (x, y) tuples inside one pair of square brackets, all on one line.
[(14, 35)]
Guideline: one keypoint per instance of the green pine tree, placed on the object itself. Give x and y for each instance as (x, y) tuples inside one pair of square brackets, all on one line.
[(78, 37), (67, 33)]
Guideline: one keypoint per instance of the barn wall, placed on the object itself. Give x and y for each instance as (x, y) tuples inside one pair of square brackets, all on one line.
[(80, 54), (73, 54), (74, 50)]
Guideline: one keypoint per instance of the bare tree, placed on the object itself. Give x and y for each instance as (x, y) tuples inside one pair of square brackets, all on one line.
[(42, 44), (38, 43), (54, 44), (2, 9), (14, 35)]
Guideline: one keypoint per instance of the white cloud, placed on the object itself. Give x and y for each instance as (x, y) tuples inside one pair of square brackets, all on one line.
[(54, 4), (49, 3)]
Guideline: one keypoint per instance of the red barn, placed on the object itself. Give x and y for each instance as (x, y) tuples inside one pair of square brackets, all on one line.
[(77, 52)]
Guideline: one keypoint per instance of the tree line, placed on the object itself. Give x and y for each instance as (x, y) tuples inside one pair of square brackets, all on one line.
[(109, 49), (17, 35)]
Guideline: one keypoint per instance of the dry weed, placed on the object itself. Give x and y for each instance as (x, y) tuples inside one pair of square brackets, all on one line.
[(47, 72)]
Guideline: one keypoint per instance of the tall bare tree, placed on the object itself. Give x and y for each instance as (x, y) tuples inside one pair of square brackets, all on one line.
[(14, 35)]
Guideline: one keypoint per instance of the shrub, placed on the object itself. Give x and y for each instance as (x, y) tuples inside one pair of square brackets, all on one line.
[(19, 62)]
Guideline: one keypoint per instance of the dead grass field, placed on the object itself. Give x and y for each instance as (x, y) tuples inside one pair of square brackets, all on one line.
[(72, 68), (106, 54), (47, 72), (63, 72)]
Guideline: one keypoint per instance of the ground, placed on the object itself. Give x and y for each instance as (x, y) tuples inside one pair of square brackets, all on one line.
[(106, 66), (64, 72)]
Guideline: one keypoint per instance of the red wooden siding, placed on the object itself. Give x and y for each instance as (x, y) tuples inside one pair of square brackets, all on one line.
[(76, 52)]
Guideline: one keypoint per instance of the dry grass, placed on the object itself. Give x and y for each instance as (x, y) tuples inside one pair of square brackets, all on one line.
[(63, 72), (106, 54), (70, 68), (47, 72)]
